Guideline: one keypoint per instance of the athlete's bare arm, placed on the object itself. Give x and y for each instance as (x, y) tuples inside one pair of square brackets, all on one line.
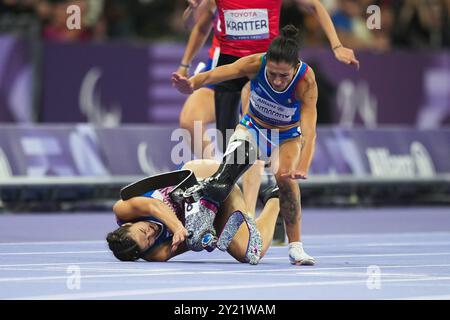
[(193, 12), (136, 207), (341, 53), (307, 93), (244, 67), (199, 34), (165, 252)]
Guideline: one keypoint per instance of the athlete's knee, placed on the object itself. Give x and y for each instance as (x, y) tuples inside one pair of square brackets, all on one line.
[(282, 176), (186, 121), (240, 155), (227, 110)]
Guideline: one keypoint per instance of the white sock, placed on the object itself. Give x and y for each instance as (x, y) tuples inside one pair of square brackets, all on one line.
[(296, 244)]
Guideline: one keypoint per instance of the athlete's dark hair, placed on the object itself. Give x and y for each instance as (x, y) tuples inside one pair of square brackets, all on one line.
[(285, 47), (122, 245)]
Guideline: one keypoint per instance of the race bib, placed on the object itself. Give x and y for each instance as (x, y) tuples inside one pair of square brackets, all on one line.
[(246, 24), (270, 110)]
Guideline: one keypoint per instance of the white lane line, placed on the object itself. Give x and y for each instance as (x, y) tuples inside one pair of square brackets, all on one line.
[(400, 244), (362, 244), (372, 244), (51, 252), (85, 269), (376, 235), (384, 255), (311, 270), (292, 271), (128, 293), (145, 266), (165, 272), (117, 273), (387, 255), (66, 263), (50, 243), (322, 236), (271, 248), (314, 268), (356, 245), (125, 275)]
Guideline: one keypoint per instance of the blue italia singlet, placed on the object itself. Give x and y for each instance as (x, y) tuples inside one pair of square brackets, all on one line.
[(277, 108)]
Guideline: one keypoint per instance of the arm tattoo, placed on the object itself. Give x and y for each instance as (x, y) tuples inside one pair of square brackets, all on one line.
[(311, 92)]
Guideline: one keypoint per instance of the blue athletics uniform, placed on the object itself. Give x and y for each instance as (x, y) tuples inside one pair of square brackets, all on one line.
[(276, 108)]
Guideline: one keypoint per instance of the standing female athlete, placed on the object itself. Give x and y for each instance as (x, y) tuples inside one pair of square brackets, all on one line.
[(242, 28), (283, 100)]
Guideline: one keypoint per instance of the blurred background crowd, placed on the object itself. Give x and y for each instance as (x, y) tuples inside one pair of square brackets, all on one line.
[(404, 23), (114, 75)]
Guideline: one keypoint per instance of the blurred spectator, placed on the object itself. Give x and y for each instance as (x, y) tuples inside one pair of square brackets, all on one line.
[(404, 23), (54, 14), (330, 5), (17, 15), (349, 20), (290, 14), (153, 18), (327, 92), (17, 6), (424, 24), (299, 14), (143, 19), (382, 38), (117, 19), (177, 24), (314, 35)]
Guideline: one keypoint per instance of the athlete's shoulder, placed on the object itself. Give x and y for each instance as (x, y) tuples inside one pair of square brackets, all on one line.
[(309, 75), (251, 64), (254, 58), (306, 83)]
